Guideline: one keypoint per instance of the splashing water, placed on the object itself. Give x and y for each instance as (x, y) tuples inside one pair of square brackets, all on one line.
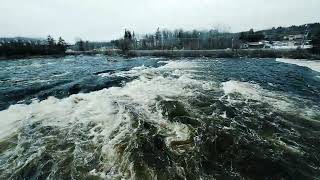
[(177, 119)]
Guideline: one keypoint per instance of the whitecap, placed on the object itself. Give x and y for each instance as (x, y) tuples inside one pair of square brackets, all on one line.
[(255, 92), (278, 100), (109, 110)]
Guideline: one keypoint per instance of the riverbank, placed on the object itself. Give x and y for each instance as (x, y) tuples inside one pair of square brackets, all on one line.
[(250, 53), (223, 53)]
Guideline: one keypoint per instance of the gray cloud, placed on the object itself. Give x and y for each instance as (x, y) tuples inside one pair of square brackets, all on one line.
[(106, 19)]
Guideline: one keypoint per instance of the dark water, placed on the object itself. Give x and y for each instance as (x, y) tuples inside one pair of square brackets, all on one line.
[(97, 117)]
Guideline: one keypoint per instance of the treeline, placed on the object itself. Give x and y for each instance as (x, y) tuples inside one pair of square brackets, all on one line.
[(251, 36), (277, 33), (128, 41), (178, 39), (210, 39), (82, 45), (19, 47)]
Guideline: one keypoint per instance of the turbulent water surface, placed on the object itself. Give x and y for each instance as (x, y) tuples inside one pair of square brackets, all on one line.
[(97, 117)]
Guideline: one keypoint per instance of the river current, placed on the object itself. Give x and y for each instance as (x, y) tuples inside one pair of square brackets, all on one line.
[(101, 117)]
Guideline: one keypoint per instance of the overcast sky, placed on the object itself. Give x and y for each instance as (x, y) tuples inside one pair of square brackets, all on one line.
[(107, 19)]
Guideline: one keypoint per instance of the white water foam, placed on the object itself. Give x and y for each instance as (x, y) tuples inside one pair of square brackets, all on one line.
[(173, 67), (255, 92), (109, 109), (252, 91), (314, 65), (91, 106), (280, 101)]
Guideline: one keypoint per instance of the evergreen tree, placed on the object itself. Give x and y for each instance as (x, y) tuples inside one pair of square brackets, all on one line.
[(61, 42), (126, 34), (129, 35), (62, 45), (51, 41), (125, 44), (80, 45), (158, 38), (133, 35)]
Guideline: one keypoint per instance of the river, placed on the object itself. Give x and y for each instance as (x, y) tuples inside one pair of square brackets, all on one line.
[(102, 117)]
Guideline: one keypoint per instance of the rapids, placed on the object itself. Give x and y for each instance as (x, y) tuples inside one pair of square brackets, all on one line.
[(101, 117)]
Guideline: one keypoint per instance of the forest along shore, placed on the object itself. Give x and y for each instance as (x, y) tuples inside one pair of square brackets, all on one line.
[(221, 53)]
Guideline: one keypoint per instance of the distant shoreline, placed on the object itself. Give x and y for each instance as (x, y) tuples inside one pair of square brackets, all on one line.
[(237, 53), (218, 53)]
